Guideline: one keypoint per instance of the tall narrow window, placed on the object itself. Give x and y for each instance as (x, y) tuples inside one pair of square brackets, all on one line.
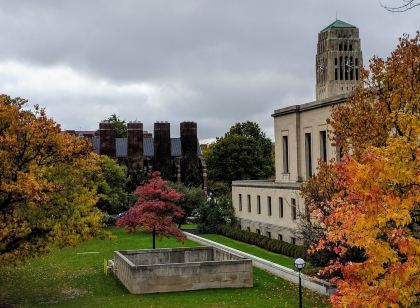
[(341, 68), (336, 68), (350, 47), (346, 68), (258, 204), (249, 203), (258, 231), (323, 144), (293, 240), (268, 234), (285, 154), (351, 68), (294, 211), (281, 210), (240, 202), (356, 64), (340, 46), (280, 237), (269, 206), (308, 154)]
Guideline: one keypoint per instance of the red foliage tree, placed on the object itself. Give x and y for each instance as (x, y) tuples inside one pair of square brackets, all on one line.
[(154, 210)]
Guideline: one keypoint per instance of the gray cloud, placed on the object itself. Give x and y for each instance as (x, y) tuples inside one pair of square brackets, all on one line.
[(214, 62)]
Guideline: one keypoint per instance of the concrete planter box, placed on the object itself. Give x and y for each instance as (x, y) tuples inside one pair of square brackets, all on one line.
[(181, 269)]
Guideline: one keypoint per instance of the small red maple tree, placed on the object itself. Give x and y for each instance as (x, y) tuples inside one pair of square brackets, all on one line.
[(154, 210)]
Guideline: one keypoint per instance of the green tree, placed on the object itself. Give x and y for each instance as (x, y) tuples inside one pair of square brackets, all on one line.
[(194, 198), (47, 192), (111, 181), (120, 125), (244, 153), (214, 213)]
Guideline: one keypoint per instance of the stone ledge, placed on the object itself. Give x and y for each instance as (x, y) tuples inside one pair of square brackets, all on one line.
[(314, 284)]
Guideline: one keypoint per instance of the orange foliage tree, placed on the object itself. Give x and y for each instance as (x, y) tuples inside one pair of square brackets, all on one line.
[(374, 197), (155, 209), (47, 195)]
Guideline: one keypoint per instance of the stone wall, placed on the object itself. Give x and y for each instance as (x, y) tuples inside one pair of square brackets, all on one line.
[(314, 284), (181, 269)]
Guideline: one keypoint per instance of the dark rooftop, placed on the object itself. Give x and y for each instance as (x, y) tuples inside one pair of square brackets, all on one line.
[(338, 24)]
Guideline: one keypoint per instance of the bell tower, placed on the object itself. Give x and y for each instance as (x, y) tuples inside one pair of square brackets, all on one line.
[(338, 60)]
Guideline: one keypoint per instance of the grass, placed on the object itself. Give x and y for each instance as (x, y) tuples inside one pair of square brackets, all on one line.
[(189, 226), (260, 252), (74, 277)]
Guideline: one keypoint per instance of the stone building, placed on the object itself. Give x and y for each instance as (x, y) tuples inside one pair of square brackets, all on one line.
[(301, 132), (141, 150)]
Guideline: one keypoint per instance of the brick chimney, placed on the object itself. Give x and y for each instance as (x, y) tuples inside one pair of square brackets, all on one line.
[(162, 149), (135, 145), (107, 136), (190, 165)]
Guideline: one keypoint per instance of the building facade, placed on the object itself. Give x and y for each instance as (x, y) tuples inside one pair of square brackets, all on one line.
[(272, 208), (174, 158)]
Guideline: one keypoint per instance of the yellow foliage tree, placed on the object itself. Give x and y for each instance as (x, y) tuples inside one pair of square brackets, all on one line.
[(47, 192)]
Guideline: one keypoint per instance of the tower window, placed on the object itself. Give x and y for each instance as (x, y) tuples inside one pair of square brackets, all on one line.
[(335, 61), (351, 68), (285, 154), (346, 66), (341, 68), (340, 47), (356, 64), (350, 47), (345, 47)]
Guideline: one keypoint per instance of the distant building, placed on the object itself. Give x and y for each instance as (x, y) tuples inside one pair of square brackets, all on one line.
[(140, 150), (269, 207)]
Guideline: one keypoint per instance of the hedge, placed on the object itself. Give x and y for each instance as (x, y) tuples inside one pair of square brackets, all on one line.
[(273, 245)]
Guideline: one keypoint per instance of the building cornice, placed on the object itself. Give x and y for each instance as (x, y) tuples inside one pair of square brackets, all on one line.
[(266, 184), (310, 106)]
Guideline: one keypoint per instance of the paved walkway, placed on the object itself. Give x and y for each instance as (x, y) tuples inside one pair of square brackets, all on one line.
[(314, 284)]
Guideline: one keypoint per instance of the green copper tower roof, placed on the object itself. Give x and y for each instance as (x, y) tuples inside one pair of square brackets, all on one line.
[(338, 24)]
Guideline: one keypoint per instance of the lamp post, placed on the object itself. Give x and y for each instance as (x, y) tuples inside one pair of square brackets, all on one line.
[(300, 263)]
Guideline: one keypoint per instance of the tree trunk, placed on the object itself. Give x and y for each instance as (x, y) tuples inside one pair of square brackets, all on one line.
[(154, 238)]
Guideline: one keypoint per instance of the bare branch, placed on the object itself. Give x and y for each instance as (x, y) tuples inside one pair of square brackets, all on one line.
[(407, 5)]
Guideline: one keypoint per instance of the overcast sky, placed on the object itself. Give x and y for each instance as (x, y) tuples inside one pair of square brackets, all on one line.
[(215, 62)]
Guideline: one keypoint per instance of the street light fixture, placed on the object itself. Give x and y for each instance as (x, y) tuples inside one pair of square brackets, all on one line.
[(300, 264)]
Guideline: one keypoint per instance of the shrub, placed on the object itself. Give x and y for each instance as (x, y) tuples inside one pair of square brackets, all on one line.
[(214, 213), (273, 245)]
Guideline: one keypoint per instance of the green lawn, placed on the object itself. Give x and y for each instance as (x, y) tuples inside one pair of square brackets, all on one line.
[(189, 226), (74, 277), (254, 250)]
